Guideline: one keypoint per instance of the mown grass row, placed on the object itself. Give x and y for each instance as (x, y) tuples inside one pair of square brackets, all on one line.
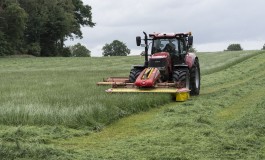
[(217, 61), (225, 122)]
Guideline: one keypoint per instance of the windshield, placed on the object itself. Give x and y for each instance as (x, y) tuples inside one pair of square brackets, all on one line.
[(165, 45)]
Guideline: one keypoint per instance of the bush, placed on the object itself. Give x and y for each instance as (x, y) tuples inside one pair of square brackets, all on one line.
[(79, 50), (263, 48), (66, 52), (192, 49), (5, 46), (34, 49), (234, 47)]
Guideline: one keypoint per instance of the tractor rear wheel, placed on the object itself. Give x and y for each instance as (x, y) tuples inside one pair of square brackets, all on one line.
[(181, 78), (134, 73), (195, 78)]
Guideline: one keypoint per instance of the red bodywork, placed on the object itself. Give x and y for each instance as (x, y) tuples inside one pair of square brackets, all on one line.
[(148, 77), (189, 59), (144, 80), (165, 55)]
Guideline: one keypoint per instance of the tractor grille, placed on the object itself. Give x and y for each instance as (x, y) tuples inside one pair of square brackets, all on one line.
[(157, 62)]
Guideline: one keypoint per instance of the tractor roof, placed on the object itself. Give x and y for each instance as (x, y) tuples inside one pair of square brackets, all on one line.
[(169, 35)]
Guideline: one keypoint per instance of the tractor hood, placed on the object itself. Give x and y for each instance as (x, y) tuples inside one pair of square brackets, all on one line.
[(159, 55)]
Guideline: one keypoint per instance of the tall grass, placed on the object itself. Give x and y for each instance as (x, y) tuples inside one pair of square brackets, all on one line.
[(63, 91)]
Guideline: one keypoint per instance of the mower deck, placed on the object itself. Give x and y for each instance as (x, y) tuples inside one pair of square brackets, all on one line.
[(122, 85)]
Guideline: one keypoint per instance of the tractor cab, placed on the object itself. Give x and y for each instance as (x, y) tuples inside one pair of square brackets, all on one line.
[(176, 46), (167, 51), (165, 45)]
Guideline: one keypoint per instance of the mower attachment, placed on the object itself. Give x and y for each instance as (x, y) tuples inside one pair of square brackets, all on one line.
[(181, 94), (122, 85)]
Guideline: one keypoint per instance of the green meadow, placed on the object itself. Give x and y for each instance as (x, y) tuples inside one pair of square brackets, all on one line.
[(51, 108)]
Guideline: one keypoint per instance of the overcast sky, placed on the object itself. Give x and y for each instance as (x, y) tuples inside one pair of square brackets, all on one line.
[(214, 23)]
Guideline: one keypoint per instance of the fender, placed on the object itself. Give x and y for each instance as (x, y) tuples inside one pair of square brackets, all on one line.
[(140, 67), (189, 59)]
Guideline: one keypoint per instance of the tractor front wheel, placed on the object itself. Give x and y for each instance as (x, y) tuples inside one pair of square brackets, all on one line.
[(134, 73), (181, 78)]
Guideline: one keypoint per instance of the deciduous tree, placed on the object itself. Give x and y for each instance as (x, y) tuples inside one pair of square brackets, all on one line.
[(234, 47), (13, 24), (79, 50), (49, 23), (116, 48)]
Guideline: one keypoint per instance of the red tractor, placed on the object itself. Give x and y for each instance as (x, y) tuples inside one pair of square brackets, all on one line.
[(170, 68), (173, 62)]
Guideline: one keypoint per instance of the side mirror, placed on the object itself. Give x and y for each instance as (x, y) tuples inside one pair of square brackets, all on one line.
[(138, 40), (190, 40)]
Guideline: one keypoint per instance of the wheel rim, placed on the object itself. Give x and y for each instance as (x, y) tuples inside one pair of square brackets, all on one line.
[(197, 79), (187, 82)]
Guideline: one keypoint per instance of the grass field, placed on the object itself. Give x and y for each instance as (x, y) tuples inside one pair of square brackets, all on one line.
[(50, 108)]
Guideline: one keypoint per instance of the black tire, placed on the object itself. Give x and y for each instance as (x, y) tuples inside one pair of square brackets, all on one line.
[(195, 78), (181, 78), (134, 73)]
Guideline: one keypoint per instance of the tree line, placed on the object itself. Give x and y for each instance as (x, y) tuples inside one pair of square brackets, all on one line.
[(237, 47), (40, 27)]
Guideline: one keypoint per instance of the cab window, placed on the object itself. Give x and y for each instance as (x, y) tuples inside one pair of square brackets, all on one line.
[(182, 48)]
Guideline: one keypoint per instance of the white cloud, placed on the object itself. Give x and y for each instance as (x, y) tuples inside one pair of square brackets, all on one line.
[(214, 23), (220, 46)]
